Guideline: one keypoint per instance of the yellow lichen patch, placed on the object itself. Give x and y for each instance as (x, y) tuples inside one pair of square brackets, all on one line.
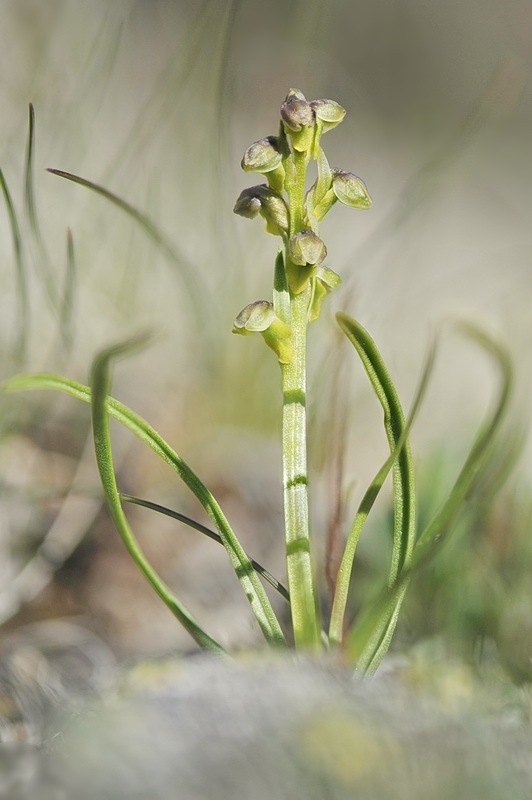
[(345, 749), (152, 675), (452, 685)]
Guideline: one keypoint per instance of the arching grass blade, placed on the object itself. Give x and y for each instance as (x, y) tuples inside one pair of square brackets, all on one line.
[(480, 454), (404, 497), (346, 565), (369, 639), (192, 523), (186, 270)]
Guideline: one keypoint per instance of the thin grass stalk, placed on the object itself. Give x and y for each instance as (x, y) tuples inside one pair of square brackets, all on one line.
[(23, 315)]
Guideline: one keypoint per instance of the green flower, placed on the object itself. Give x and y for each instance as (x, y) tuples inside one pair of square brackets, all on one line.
[(329, 112), (296, 111), (346, 188), (299, 120), (350, 190), (307, 248), (259, 317), (268, 203), (265, 157), (262, 156)]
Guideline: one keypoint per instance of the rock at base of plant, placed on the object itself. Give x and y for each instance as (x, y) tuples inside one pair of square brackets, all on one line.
[(284, 729)]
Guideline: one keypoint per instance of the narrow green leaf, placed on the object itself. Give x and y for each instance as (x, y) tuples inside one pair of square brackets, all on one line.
[(42, 261), (66, 318), (480, 454), (192, 523), (346, 565), (250, 582), (23, 317), (367, 642), (28, 181), (403, 470), (369, 639), (100, 383)]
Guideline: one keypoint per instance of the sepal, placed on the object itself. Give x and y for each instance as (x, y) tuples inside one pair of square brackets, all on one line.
[(323, 282)]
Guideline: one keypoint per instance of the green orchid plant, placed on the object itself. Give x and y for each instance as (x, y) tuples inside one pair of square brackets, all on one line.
[(293, 210)]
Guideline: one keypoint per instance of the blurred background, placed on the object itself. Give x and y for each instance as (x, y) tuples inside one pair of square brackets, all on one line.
[(156, 100)]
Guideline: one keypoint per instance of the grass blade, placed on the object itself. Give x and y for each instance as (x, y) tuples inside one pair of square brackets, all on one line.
[(479, 456), (42, 260), (23, 317), (100, 383), (186, 270), (250, 582), (192, 523), (346, 565), (394, 423), (66, 312), (369, 639)]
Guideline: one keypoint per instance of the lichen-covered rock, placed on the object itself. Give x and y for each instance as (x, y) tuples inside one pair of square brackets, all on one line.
[(288, 729)]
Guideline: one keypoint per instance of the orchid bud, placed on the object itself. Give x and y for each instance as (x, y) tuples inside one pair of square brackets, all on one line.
[(260, 317), (265, 157), (307, 248), (328, 115), (330, 112), (248, 204), (262, 156), (299, 119), (274, 211), (350, 190), (254, 317), (296, 111), (266, 202)]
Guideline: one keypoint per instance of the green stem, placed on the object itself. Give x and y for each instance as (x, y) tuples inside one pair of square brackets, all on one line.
[(295, 188), (294, 440), (295, 480)]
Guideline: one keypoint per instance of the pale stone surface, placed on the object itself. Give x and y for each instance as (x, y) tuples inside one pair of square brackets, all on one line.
[(206, 728)]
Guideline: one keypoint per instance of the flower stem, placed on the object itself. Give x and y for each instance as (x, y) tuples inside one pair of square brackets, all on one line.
[(294, 441), (296, 511)]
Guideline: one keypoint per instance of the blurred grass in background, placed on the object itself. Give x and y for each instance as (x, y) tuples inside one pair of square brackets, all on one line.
[(156, 100)]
